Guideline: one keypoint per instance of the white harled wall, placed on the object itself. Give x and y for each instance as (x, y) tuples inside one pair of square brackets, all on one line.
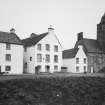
[(70, 63), (16, 62), (32, 52), (81, 55)]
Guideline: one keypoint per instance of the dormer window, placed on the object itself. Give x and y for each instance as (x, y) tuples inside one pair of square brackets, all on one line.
[(8, 46)]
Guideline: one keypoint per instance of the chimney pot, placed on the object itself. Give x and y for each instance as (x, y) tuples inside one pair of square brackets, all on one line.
[(50, 29), (33, 35), (12, 30), (80, 36)]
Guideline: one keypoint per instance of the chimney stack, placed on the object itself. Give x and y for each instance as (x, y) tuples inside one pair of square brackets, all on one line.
[(50, 29), (12, 30), (79, 36), (33, 35)]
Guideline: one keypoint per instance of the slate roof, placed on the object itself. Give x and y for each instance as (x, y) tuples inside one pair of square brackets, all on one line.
[(7, 37), (70, 53), (91, 45), (33, 40)]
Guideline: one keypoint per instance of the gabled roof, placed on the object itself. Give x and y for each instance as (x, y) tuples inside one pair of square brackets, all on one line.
[(33, 40), (90, 45), (8, 37), (70, 53)]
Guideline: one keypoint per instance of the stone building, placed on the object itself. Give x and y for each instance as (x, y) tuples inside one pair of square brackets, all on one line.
[(42, 53), (11, 53), (94, 49)]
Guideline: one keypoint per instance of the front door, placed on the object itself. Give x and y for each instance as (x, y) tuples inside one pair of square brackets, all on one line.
[(37, 69), (47, 68)]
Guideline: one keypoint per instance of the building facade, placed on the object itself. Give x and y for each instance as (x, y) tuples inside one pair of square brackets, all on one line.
[(11, 53), (93, 49), (75, 60), (42, 53)]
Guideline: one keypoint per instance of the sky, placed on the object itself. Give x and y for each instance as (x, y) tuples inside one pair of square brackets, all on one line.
[(68, 17)]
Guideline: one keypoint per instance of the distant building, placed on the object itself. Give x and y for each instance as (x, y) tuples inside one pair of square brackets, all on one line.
[(42, 53), (11, 53), (88, 55)]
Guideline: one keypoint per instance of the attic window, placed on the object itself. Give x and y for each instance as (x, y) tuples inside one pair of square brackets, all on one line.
[(77, 60), (39, 47), (56, 48), (8, 46)]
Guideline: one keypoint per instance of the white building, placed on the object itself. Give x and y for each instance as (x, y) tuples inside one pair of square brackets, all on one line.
[(11, 53), (42, 53), (75, 59)]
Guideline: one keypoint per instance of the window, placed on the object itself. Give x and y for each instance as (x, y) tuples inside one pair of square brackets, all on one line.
[(47, 68), (77, 68), (38, 69), (84, 69), (39, 47), (25, 49), (56, 68), (47, 47), (47, 58), (8, 57), (8, 68), (56, 48), (84, 60), (77, 60), (39, 58), (30, 58), (56, 58), (8, 46)]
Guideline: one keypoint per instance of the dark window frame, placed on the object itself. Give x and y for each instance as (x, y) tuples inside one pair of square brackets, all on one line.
[(8, 46), (55, 48), (47, 47), (39, 47), (47, 58), (8, 57), (7, 68), (39, 57), (56, 58)]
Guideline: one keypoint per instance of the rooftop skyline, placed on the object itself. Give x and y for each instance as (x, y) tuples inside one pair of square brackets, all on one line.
[(68, 17)]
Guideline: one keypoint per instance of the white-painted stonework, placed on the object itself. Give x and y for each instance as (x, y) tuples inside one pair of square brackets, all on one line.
[(72, 64), (16, 62), (32, 52)]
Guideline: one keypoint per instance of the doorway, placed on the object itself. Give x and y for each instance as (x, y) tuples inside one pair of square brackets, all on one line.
[(37, 69), (47, 68)]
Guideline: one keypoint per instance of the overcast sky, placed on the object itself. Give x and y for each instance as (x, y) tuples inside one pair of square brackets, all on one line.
[(68, 17)]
